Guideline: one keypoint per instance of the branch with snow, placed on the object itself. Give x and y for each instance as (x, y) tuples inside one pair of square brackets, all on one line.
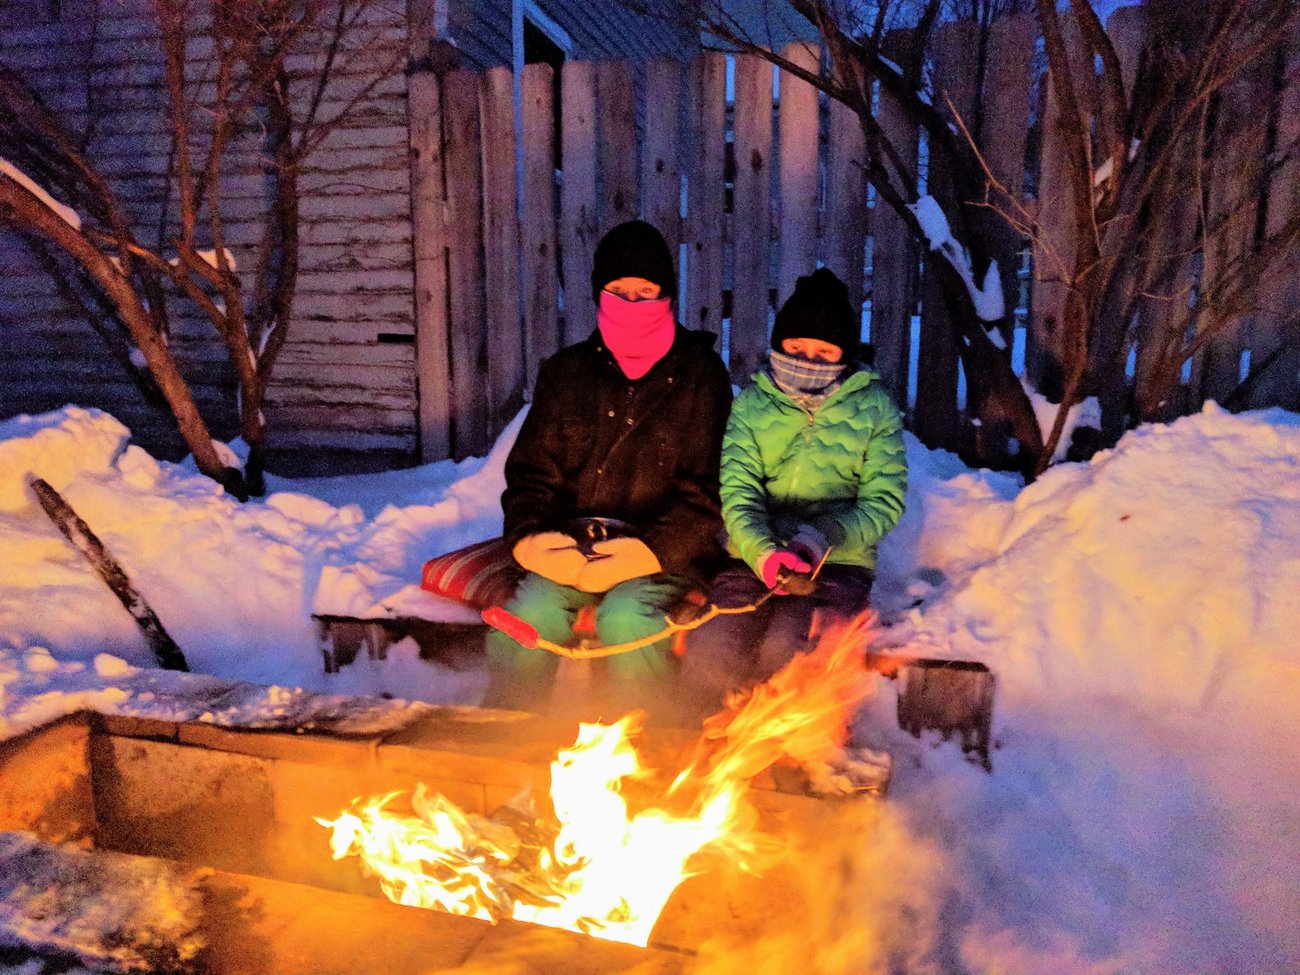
[(987, 298), (65, 212)]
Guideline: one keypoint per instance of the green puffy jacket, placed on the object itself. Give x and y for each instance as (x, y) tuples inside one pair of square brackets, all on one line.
[(842, 469)]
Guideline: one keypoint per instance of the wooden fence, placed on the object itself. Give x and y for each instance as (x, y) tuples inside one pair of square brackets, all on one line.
[(757, 179)]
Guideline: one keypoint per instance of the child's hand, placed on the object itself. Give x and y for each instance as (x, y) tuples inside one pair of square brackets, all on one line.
[(782, 560)]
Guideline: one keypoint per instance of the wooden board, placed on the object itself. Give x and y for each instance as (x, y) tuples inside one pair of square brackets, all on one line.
[(798, 178), (579, 205), (616, 107), (661, 171), (934, 418), (463, 228), (894, 252), (751, 217), (540, 275), (433, 373), (705, 154), (505, 347), (844, 227)]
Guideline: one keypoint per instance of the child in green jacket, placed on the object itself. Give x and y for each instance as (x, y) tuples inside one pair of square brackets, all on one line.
[(813, 466)]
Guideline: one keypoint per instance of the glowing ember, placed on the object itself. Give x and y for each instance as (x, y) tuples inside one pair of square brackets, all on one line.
[(595, 865)]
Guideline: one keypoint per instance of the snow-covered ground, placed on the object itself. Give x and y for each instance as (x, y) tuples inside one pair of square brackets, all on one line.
[(1140, 612)]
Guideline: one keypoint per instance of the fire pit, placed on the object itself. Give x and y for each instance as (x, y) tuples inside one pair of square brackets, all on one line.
[(217, 835), (242, 805)]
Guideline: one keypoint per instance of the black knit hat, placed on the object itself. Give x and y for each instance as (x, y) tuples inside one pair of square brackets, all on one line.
[(634, 249), (819, 309)]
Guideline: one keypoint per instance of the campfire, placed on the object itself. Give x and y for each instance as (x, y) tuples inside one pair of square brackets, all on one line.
[(605, 851)]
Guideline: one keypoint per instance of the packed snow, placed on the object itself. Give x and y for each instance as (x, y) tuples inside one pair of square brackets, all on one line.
[(1139, 611)]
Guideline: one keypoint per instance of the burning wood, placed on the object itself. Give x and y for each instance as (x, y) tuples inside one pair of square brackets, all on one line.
[(591, 863)]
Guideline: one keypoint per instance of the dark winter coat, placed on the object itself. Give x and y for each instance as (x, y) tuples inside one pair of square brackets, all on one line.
[(644, 451), (842, 469)]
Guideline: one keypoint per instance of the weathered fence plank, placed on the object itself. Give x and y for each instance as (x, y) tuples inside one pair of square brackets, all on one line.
[(934, 419), (1237, 174), (1004, 128), (751, 216), (540, 278), (1054, 248), (1280, 384), (844, 220), (706, 145), (894, 253), (433, 353), (505, 345), (463, 231), (616, 105), (579, 221), (798, 173), (661, 172)]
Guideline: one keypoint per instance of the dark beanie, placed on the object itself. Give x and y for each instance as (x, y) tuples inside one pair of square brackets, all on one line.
[(633, 250), (819, 309)]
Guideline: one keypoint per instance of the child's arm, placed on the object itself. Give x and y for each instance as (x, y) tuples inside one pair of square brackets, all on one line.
[(744, 501), (882, 481)]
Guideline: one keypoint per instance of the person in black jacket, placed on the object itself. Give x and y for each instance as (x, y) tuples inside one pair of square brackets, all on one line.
[(626, 425)]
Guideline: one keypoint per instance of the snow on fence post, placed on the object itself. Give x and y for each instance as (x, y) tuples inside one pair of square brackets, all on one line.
[(463, 230), (661, 173), (894, 253), (844, 224), (579, 219), (1236, 167), (540, 278), (797, 157), (505, 340), (706, 142), (934, 419), (616, 109), (431, 341), (751, 216)]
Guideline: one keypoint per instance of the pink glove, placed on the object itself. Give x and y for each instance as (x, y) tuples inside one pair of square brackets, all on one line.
[(780, 560)]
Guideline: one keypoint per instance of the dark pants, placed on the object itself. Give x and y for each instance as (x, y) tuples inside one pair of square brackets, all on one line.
[(734, 652)]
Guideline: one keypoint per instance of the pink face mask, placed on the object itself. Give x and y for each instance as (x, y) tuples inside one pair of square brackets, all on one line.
[(638, 333)]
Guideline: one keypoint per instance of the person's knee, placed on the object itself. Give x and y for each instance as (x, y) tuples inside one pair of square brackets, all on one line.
[(635, 609)]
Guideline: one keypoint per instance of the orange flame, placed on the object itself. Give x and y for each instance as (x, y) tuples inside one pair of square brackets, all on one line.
[(596, 866)]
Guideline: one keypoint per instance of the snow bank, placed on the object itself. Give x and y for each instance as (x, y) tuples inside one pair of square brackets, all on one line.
[(1166, 570)]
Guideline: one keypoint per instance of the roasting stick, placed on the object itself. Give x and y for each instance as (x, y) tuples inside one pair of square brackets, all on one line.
[(527, 636)]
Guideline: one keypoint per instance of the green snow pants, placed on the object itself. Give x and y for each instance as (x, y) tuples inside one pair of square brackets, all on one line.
[(522, 679)]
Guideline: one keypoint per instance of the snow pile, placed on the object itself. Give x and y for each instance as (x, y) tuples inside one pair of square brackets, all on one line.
[(1166, 570), (234, 584)]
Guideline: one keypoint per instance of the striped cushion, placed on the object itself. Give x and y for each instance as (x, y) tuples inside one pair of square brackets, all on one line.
[(479, 575)]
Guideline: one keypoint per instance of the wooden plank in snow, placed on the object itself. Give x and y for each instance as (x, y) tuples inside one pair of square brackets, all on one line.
[(706, 146), (501, 251), (579, 219), (798, 177), (894, 253), (661, 174), (616, 106), (463, 230), (433, 362), (540, 277), (752, 220)]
